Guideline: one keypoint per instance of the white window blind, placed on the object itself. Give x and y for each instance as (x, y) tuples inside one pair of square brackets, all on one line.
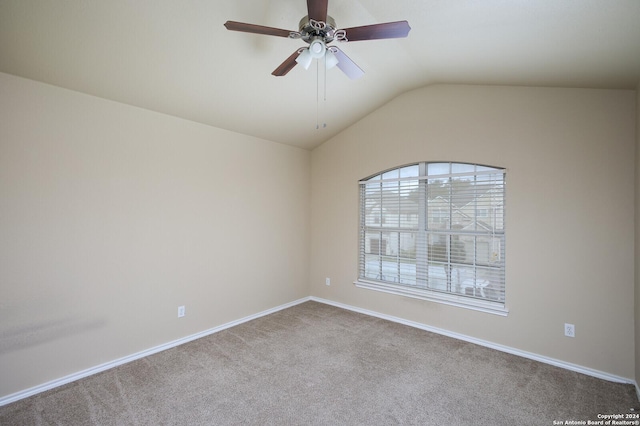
[(435, 231)]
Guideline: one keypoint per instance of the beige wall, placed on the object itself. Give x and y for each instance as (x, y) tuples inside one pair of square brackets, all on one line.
[(569, 155), (112, 216), (637, 247)]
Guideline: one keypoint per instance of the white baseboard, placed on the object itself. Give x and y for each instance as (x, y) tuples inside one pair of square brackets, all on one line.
[(106, 366), (502, 348)]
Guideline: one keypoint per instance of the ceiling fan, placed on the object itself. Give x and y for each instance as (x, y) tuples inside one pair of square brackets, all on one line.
[(318, 30)]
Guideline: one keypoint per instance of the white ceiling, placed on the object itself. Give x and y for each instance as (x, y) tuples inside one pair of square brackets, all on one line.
[(176, 57)]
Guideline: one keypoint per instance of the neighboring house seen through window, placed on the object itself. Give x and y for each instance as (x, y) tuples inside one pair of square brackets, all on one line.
[(435, 231)]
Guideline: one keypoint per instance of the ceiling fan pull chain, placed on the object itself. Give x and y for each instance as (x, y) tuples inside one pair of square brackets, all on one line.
[(324, 101), (317, 96), (324, 124), (325, 81)]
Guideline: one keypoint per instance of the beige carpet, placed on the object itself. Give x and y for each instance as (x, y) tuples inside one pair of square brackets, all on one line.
[(315, 364)]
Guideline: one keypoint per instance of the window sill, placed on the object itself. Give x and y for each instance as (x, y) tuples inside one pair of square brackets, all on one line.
[(433, 296)]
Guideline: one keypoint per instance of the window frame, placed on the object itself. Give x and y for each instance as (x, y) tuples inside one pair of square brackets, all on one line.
[(419, 285)]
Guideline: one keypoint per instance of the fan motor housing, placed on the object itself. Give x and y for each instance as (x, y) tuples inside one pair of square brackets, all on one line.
[(311, 30)]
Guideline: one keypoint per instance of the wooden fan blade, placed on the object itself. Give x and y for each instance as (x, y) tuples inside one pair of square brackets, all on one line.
[(256, 29), (347, 65), (378, 31), (286, 66), (318, 9)]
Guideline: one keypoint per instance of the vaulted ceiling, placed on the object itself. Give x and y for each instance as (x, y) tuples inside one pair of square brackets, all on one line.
[(177, 58)]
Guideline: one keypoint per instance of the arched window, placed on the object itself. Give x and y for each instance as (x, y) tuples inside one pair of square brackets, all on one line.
[(435, 231)]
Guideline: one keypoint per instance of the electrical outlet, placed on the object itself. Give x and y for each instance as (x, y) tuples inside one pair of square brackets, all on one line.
[(327, 281), (569, 330), (181, 311)]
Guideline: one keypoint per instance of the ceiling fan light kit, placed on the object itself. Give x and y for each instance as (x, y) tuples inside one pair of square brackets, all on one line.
[(330, 59), (304, 58), (319, 30), (317, 48)]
